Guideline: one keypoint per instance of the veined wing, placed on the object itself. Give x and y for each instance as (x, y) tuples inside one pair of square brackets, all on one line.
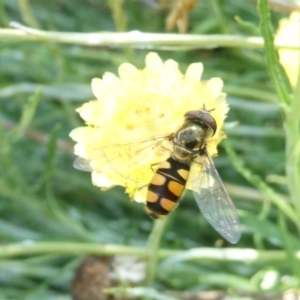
[(214, 201), (82, 164), (122, 157)]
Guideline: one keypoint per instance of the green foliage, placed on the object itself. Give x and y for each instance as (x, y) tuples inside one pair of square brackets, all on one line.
[(50, 214)]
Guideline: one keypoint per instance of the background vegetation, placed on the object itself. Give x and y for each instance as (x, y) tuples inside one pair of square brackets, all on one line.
[(52, 216)]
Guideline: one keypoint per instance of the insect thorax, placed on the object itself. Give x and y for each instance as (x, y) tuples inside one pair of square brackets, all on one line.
[(189, 140)]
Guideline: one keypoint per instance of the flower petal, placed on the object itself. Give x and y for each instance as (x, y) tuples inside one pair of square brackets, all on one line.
[(194, 72)]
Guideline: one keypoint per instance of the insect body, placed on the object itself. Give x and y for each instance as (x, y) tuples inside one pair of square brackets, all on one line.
[(168, 183), (166, 187)]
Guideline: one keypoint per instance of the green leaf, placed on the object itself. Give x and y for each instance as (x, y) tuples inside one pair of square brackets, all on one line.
[(27, 115), (276, 71), (249, 26)]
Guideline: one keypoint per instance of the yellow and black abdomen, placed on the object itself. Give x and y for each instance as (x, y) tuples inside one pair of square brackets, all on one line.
[(166, 187)]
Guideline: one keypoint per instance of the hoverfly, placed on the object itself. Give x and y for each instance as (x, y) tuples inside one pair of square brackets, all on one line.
[(169, 180)]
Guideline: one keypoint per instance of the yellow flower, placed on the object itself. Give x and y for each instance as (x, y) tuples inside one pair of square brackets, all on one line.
[(122, 137), (289, 31)]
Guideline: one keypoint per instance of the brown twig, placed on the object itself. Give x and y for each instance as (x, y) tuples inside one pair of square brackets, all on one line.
[(40, 137)]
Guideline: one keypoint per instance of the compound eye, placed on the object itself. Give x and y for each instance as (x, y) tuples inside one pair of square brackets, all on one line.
[(209, 121), (203, 116)]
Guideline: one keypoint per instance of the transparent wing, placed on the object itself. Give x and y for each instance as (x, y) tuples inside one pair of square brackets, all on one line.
[(121, 157), (82, 164), (215, 203)]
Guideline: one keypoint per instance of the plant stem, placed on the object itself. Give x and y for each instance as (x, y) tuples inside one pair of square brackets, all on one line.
[(153, 248), (219, 15), (292, 149), (27, 14), (261, 185), (119, 14), (204, 254), (142, 40), (289, 105)]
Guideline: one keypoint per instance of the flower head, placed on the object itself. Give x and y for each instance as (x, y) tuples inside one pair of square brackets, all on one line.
[(122, 139), (289, 31)]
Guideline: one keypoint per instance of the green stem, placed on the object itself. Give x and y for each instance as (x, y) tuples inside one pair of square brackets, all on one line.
[(27, 15), (260, 184), (138, 40), (292, 162), (275, 69), (292, 150), (254, 93), (294, 263), (263, 214), (119, 14), (153, 248), (120, 20), (4, 20), (201, 254), (289, 105), (219, 15)]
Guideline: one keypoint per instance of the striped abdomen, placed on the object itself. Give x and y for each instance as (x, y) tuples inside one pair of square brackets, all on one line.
[(166, 187)]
